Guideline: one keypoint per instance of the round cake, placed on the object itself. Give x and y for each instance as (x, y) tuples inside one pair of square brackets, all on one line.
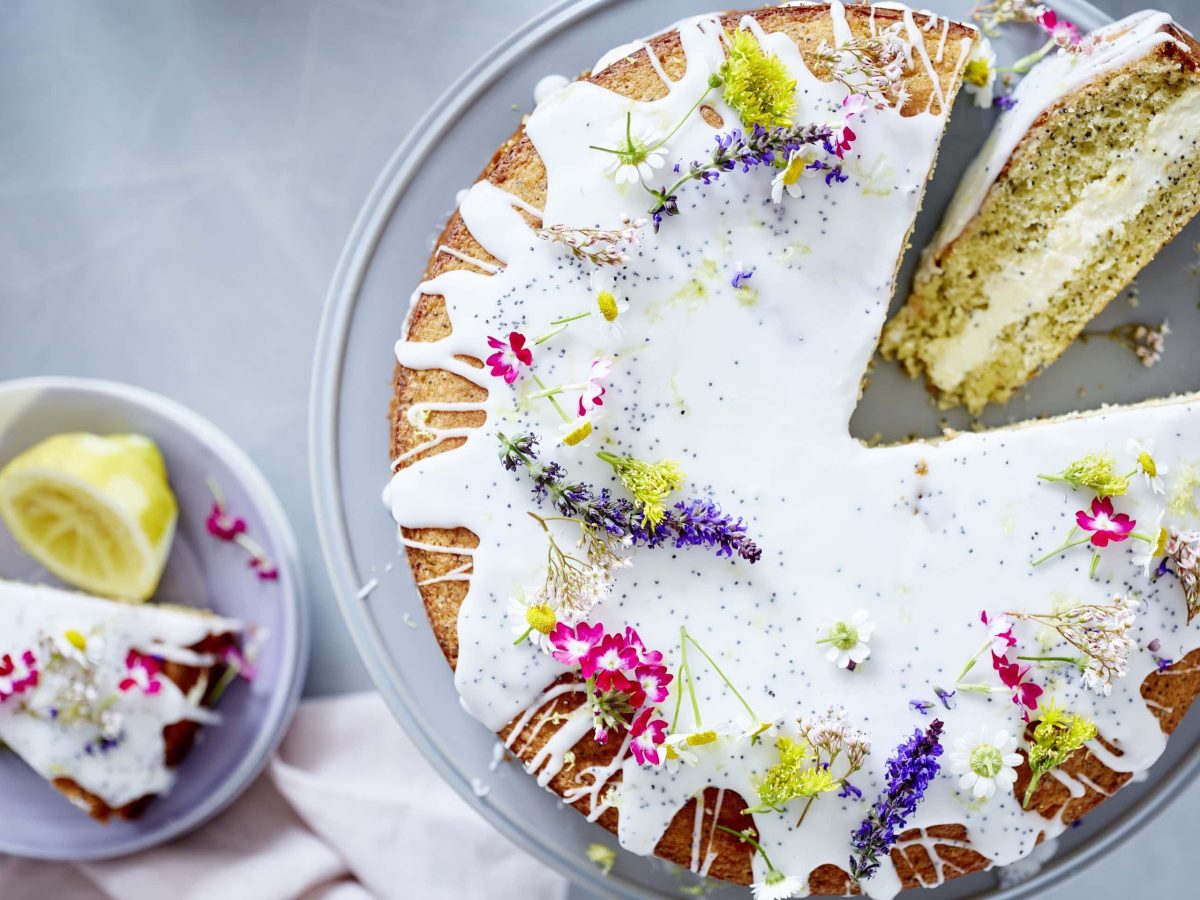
[(662, 569)]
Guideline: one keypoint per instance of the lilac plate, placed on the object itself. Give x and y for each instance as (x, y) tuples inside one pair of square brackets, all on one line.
[(201, 571)]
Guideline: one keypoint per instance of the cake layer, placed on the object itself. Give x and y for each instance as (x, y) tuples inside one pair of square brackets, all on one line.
[(1080, 184), (117, 694)]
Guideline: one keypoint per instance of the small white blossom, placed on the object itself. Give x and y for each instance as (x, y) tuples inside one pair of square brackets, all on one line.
[(979, 74), (848, 640), (1151, 469), (985, 761), (637, 154), (798, 167), (1147, 552), (534, 617), (776, 886)]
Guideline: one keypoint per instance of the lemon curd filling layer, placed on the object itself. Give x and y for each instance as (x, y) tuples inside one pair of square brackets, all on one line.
[(1077, 238)]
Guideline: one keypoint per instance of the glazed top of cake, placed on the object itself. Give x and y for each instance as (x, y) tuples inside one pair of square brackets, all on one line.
[(82, 695), (743, 329)]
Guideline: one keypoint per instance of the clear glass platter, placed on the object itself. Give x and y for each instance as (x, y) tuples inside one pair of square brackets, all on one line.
[(349, 431)]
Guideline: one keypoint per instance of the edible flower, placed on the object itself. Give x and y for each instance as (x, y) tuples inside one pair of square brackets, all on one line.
[(775, 885), (650, 484), (1147, 465), (592, 394), (1095, 472), (800, 164), (141, 673), (1056, 738), (510, 355), (868, 65), (1183, 550), (533, 619), (1099, 631), (232, 529), (646, 734), (909, 772), (979, 74), (638, 154), (985, 762), (756, 83), (1062, 32), (1104, 523), (1014, 676), (601, 246), (18, 675), (848, 640)]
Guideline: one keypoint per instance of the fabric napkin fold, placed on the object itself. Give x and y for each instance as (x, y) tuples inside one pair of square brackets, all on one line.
[(347, 810)]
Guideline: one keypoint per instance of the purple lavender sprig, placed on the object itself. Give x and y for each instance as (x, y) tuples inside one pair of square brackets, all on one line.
[(762, 147), (909, 771), (698, 522)]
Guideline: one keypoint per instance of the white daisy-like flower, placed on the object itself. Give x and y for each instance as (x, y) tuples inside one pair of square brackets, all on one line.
[(533, 618), (578, 432), (1143, 452), (979, 74), (636, 154), (985, 761), (788, 178), (848, 640), (776, 886), (1145, 553)]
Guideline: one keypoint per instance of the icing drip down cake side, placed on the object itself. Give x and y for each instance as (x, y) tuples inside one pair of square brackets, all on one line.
[(688, 601)]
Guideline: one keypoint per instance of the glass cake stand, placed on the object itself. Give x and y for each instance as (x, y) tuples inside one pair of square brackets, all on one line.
[(383, 260)]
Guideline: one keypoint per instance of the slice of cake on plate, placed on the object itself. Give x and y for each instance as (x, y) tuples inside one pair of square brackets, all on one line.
[(103, 699), (1094, 168)]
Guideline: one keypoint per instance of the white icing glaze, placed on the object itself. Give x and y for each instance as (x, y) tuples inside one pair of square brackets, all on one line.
[(1120, 44), (752, 393), (136, 766), (1101, 214), (547, 86)]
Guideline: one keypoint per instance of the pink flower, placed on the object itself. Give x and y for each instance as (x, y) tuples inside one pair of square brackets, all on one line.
[(599, 731), (646, 736), (648, 657), (573, 645), (510, 355), (592, 395), (1064, 33), (264, 568), (19, 676), (1025, 693), (1103, 523), (142, 673), (651, 685), (222, 525), (607, 662), (1000, 629), (233, 657)]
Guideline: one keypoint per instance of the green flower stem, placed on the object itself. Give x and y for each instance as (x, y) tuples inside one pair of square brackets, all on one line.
[(1095, 564), (562, 326), (714, 81), (1067, 545), (1025, 63), (685, 672), (524, 637), (1073, 660), (549, 396), (742, 836), (729, 684), (978, 688), (807, 807), (974, 659)]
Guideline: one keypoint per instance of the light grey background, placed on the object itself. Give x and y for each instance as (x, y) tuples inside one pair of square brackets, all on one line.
[(176, 182)]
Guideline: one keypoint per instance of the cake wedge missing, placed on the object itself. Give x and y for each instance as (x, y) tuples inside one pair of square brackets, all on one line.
[(1092, 171)]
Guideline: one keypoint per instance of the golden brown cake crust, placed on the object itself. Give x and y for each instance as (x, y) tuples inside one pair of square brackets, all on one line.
[(517, 168)]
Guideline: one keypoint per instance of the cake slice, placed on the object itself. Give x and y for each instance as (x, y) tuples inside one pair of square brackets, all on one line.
[(1094, 169), (103, 699)]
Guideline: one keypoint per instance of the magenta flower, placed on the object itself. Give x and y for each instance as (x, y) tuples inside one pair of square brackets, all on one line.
[(1000, 629), (224, 526), (648, 657), (17, 677), (510, 355), (573, 645), (1103, 523), (1013, 676), (264, 568), (651, 685), (607, 661), (233, 657), (1063, 32), (141, 672), (646, 736), (592, 396)]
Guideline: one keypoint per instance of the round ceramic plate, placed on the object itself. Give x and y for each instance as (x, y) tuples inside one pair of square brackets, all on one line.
[(368, 299), (201, 572)]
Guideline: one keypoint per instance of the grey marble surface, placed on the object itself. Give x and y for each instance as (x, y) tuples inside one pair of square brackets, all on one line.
[(176, 182)]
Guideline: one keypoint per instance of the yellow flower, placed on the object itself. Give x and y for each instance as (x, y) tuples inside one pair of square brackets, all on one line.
[(756, 83), (607, 305), (541, 618)]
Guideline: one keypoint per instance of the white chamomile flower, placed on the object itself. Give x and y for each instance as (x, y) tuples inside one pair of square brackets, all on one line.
[(578, 432), (776, 886), (979, 74), (848, 640), (1146, 552), (985, 761), (798, 167), (1143, 452), (532, 619), (636, 153)]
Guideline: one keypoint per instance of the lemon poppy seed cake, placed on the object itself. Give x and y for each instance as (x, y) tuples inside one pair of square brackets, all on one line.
[(663, 571), (1094, 168)]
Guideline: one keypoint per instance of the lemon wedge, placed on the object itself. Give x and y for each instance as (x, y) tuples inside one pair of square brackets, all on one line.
[(96, 511)]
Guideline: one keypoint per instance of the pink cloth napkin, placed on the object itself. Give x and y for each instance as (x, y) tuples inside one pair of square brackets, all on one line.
[(347, 810)]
